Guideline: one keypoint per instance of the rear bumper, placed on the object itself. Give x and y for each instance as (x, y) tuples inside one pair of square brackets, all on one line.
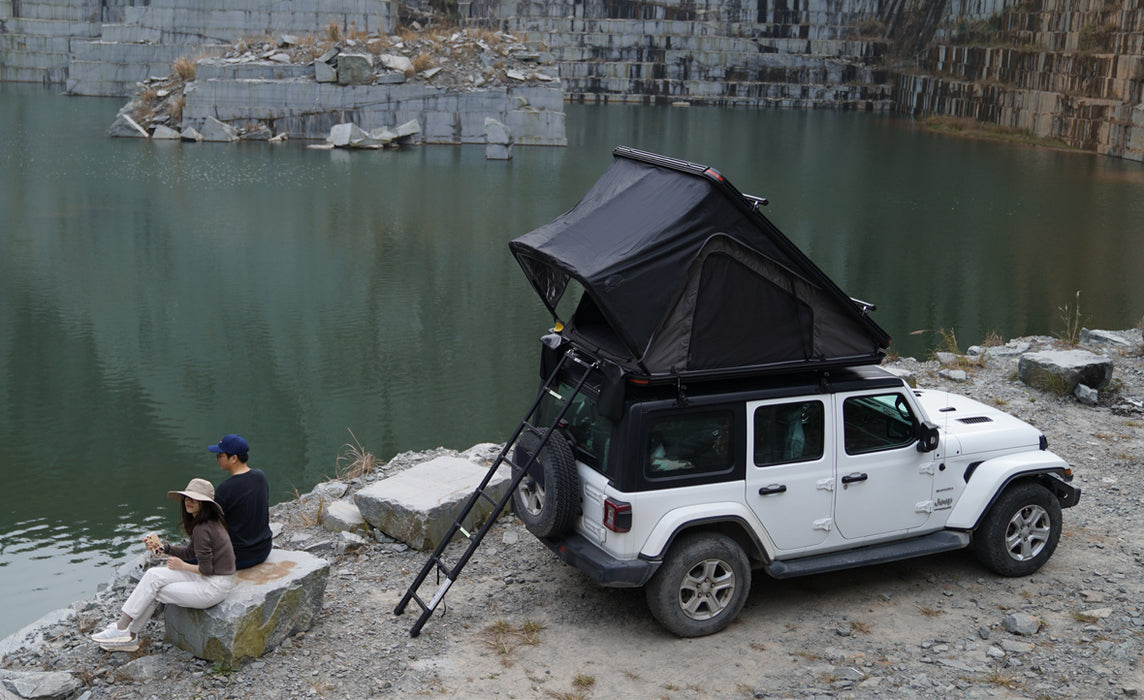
[(600, 566)]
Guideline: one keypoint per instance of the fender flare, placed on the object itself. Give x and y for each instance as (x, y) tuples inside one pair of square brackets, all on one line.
[(735, 519), (992, 476)]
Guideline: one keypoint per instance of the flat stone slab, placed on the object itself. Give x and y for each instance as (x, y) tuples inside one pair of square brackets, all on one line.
[(1061, 371), (419, 505), (32, 685), (271, 601)]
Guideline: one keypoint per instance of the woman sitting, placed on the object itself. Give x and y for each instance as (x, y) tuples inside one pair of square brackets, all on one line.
[(191, 585)]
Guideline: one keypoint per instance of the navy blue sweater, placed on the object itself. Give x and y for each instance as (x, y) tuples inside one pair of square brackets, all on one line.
[(245, 502)]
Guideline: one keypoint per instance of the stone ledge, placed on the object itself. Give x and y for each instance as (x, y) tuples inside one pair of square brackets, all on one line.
[(271, 601)]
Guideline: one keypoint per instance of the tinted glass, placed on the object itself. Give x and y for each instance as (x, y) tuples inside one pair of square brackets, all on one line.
[(686, 444), (591, 433), (880, 422), (791, 432)]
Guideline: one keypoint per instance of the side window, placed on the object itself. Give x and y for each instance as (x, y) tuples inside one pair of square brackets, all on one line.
[(874, 423), (789, 432), (693, 443)]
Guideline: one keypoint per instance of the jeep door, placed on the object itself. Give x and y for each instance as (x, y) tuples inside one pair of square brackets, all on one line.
[(790, 469), (884, 483)]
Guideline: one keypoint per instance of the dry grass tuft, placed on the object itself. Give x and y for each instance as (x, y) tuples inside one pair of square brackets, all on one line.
[(422, 62), (355, 461), (1070, 315), (504, 637), (184, 69), (333, 32)]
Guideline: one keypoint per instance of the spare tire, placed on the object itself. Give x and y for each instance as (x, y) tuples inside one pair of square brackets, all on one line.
[(548, 498)]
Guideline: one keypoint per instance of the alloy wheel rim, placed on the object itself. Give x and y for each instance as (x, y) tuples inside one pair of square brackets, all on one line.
[(1028, 533)]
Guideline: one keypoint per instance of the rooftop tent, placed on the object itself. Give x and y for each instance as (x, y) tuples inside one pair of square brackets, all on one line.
[(683, 276)]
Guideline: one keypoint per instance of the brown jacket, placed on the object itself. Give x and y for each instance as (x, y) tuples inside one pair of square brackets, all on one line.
[(210, 545)]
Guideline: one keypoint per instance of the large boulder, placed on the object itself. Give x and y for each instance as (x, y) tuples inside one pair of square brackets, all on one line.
[(1060, 371), (271, 601), (419, 505)]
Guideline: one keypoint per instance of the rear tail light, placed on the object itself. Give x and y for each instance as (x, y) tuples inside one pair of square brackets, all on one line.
[(617, 515)]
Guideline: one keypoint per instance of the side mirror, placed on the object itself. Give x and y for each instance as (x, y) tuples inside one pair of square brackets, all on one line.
[(928, 437)]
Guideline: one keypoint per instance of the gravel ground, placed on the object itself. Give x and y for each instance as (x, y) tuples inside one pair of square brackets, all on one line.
[(520, 624)]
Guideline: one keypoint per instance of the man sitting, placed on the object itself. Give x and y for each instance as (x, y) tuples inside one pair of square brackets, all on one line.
[(245, 500)]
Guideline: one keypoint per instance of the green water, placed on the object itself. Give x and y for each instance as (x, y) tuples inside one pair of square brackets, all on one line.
[(154, 296)]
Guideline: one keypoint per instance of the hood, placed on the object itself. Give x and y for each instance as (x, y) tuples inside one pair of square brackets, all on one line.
[(979, 428)]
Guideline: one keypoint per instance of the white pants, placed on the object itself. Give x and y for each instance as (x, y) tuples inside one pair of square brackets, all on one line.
[(185, 588)]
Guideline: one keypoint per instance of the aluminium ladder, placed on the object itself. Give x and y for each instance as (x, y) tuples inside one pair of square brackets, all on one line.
[(435, 560)]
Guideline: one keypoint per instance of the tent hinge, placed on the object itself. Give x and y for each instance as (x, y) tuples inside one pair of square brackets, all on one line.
[(680, 392)]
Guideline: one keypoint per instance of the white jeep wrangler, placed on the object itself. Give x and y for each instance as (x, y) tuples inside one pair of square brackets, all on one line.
[(713, 406), (685, 492)]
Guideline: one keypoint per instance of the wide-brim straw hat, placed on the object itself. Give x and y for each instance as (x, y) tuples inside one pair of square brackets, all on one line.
[(198, 489)]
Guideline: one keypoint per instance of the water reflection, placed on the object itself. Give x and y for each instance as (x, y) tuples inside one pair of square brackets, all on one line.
[(154, 296)]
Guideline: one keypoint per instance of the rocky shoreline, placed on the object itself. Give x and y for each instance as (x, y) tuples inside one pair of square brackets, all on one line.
[(521, 624)]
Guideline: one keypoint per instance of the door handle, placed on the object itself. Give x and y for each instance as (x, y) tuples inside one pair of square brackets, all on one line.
[(772, 488), (854, 478)]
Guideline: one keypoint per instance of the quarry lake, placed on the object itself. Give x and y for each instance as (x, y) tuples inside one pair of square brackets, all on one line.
[(155, 296)]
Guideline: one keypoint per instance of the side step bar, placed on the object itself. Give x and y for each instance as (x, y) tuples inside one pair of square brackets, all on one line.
[(935, 543)]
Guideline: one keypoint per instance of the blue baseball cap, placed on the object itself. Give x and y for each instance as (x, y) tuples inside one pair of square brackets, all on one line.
[(231, 444)]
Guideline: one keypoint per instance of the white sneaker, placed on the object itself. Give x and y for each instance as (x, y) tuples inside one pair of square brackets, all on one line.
[(132, 645), (113, 635)]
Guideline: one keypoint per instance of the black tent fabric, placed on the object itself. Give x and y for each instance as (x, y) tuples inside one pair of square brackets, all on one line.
[(682, 275)]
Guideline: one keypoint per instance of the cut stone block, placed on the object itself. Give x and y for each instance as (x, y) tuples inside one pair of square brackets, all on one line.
[(324, 72), (1061, 371), (269, 602), (496, 132), (165, 133), (342, 516), (125, 126), (419, 505), (407, 129), (396, 63), (497, 151), (355, 69), (215, 130)]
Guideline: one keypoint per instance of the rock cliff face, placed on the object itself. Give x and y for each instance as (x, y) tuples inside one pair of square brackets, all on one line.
[(1068, 70)]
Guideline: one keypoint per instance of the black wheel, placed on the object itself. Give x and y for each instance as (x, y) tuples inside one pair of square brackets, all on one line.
[(1020, 532), (548, 498), (701, 585)]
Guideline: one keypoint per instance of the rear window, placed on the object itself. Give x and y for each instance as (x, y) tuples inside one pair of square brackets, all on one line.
[(591, 433), (687, 444)]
